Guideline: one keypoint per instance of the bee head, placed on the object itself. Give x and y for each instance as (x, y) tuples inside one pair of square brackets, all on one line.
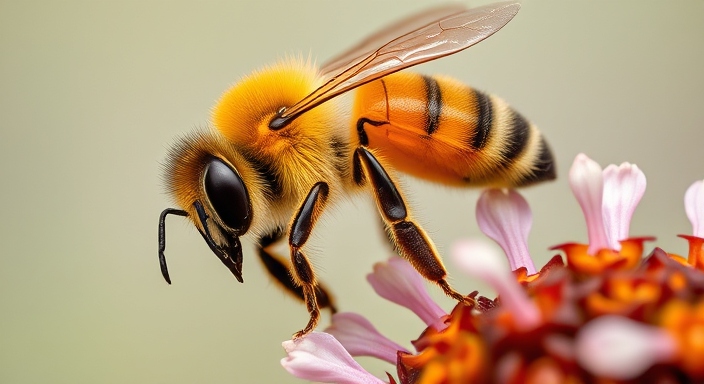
[(202, 176)]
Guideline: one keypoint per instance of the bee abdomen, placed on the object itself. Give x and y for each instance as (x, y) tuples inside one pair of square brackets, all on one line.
[(508, 150), (442, 130)]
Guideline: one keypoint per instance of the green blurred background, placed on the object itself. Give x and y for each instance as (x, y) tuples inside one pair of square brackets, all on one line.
[(92, 93)]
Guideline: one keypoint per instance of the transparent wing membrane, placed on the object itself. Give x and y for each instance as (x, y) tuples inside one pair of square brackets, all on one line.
[(420, 38), (367, 46)]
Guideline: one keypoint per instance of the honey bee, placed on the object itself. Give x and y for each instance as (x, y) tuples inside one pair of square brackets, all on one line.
[(279, 153)]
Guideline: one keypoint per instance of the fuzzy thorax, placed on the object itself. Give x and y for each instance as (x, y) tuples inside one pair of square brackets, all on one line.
[(300, 152)]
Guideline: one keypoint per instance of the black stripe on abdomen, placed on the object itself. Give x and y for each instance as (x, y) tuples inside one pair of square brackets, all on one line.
[(485, 118), (434, 104), (516, 139), (543, 167)]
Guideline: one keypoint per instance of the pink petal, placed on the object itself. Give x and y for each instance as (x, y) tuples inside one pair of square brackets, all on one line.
[(319, 357), (587, 183), (487, 266), (505, 217), (694, 205), (622, 349), (624, 186), (398, 282), (360, 338)]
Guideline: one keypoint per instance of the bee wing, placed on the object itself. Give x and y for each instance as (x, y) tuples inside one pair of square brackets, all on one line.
[(448, 35), (367, 46)]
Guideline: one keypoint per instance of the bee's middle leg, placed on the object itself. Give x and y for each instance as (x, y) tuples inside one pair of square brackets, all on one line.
[(302, 271)]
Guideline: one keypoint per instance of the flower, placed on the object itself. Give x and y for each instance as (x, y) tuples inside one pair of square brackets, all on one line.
[(604, 314)]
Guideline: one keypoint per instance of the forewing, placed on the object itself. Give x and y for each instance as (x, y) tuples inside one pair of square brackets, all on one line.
[(443, 37), (388, 33)]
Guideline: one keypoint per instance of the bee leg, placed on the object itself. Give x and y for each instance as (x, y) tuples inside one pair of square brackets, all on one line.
[(303, 274), (408, 238), (280, 270)]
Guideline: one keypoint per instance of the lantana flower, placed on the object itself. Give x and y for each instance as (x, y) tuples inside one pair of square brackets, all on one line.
[(603, 314)]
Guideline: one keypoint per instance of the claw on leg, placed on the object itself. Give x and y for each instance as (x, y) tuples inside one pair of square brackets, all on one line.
[(449, 291), (312, 305)]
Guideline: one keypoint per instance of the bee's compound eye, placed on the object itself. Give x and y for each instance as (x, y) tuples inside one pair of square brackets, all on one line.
[(228, 195)]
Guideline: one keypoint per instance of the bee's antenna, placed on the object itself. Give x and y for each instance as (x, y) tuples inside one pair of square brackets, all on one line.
[(162, 239)]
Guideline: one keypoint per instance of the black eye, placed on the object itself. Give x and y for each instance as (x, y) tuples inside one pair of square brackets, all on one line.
[(228, 195)]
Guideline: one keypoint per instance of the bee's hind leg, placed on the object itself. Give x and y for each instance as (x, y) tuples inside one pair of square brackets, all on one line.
[(407, 237), (280, 270)]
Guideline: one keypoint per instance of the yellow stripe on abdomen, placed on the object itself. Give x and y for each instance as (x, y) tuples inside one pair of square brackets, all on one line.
[(439, 129)]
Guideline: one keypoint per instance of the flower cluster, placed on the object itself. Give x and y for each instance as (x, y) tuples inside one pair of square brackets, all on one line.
[(603, 314)]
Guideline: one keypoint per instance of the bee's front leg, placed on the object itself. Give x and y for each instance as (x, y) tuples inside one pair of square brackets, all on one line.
[(303, 273)]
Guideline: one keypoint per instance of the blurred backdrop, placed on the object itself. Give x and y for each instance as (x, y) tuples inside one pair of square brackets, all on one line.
[(92, 94)]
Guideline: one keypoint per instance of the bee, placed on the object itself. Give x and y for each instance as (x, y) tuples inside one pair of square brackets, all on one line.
[(281, 152)]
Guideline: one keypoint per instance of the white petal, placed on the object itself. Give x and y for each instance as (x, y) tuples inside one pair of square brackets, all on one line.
[(475, 256), (488, 267), (398, 282), (694, 205), (360, 338), (319, 357), (624, 186), (587, 183), (622, 349), (505, 217)]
